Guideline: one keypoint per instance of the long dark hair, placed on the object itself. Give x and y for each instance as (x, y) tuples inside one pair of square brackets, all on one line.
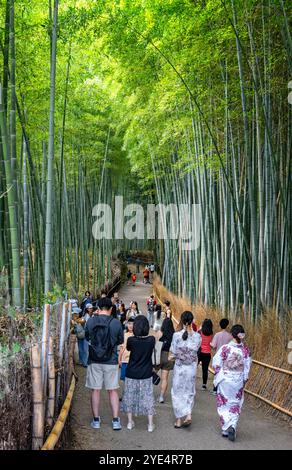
[(158, 311), (207, 327), (186, 320)]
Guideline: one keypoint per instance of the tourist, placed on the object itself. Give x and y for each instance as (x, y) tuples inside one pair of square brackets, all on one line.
[(104, 333), (133, 310), (134, 279), (86, 300), (129, 276), (167, 308), (124, 354), (88, 312), (151, 302), (221, 338), (158, 318), (146, 275), (152, 269), (184, 349), (167, 332), (79, 330), (206, 332), (123, 314), (231, 364), (138, 398)]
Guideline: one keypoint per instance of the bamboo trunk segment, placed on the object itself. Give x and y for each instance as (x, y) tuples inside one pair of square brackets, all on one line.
[(38, 403), (52, 384)]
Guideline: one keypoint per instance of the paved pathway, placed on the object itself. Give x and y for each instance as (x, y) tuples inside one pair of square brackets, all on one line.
[(256, 431)]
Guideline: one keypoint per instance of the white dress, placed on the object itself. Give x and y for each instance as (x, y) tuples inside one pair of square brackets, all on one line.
[(183, 389), (157, 322), (231, 364)]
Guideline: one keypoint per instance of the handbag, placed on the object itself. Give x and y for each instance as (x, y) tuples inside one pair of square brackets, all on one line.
[(155, 378)]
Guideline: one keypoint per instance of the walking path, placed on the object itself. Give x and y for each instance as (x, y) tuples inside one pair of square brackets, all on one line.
[(256, 431)]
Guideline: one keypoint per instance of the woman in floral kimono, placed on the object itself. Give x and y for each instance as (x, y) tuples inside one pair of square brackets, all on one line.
[(184, 349), (231, 365)]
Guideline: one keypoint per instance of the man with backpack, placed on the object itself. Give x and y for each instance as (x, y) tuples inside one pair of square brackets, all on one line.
[(104, 334)]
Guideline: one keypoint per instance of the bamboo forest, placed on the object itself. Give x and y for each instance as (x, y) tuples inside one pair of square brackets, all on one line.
[(155, 103)]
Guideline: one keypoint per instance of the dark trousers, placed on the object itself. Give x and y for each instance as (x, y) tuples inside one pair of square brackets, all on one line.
[(205, 359)]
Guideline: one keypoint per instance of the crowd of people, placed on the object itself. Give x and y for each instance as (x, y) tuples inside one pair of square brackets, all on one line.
[(120, 345)]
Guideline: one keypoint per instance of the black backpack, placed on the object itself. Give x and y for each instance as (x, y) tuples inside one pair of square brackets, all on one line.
[(101, 347)]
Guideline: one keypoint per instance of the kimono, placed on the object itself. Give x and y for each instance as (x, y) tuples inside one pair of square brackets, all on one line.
[(231, 365), (184, 374)]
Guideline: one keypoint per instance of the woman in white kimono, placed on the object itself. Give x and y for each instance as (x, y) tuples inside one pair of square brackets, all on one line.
[(184, 349), (231, 365)]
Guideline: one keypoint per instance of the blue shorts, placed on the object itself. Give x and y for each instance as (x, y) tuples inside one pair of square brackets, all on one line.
[(124, 366)]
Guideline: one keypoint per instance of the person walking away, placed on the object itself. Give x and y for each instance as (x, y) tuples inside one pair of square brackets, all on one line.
[(221, 338), (138, 398), (231, 364), (152, 270), (129, 276), (134, 279), (151, 302), (184, 349), (86, 300), (206, 332), (104, 334), (167, 308), (79, 330), (167, 332), (158, 318), (124, 354), (146, 274)]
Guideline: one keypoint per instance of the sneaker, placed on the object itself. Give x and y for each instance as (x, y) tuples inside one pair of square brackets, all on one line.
[(214, 393), (224, 434), (161, 399), (95, 424), (116, 424), (130, 426), (151, 427), (204, 388), (231, 434)]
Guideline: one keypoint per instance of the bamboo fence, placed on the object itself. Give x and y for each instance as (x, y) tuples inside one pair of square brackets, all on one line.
[(269, 384), (52, 371)]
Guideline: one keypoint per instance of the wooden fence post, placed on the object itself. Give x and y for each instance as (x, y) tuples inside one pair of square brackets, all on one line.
[(38, 400)]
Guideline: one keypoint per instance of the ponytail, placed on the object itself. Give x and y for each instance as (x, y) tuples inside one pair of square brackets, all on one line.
[(186, 319), (185, 335)]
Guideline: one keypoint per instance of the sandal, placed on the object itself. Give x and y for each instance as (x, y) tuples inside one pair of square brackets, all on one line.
[(187, 423)]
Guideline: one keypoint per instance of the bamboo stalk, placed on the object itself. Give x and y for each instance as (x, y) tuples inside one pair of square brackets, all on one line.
[(37, 390), (45, 344), (58, 428), (52, 379)]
